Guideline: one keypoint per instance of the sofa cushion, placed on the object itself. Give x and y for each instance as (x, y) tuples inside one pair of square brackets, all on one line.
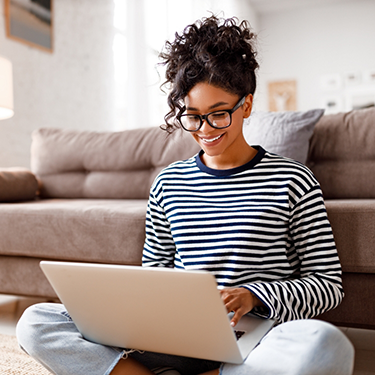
[(353, 225), (117, 165), (342, 154), (104, 231), (358, 307), (23, 276), (17, 184), (284, 133)]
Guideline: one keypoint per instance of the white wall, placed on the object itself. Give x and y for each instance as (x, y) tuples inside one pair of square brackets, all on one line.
[(70, 88), (307, 44)]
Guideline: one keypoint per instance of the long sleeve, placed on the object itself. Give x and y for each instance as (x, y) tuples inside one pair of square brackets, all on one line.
[(159, 248), (317, 286)]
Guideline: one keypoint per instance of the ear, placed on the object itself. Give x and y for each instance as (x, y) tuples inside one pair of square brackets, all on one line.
[(248, 106)]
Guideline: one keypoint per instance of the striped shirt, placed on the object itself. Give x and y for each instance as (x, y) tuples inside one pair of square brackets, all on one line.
[(262, 226)]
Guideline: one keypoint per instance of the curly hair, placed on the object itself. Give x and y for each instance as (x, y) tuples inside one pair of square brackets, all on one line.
[(217, 51)]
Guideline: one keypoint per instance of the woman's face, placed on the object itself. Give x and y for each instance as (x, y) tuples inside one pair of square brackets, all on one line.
[(224, 148)]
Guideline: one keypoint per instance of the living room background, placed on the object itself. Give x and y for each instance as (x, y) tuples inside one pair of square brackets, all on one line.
[(101, 74)]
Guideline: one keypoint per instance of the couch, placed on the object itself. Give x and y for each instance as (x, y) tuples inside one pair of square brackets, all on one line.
[(85, 199)]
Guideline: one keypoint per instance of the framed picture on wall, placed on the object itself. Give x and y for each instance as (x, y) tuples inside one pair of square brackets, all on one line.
[(282, 96), (360, 98), (332, 103), (30, 22)]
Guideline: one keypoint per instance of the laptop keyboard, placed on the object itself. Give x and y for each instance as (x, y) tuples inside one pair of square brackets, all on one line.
[(239, 334)]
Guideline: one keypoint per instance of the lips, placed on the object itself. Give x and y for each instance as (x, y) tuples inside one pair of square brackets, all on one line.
[(211, 140)]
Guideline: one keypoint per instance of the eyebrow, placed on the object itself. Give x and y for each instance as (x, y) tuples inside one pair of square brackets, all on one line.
[(219, 104)]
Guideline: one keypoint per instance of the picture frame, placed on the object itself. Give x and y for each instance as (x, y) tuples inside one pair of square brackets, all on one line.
[(282, 96), (30, 22), (360, 98), (352, 79), (332, 104)]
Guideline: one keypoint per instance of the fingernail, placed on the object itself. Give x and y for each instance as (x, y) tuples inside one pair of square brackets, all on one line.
[(232, 324)]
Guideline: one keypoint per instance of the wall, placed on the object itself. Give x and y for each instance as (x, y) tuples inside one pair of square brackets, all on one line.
[(307, 44), (70, 88)]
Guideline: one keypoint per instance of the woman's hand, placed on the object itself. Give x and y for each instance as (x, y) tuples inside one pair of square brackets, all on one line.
[(240, 301)]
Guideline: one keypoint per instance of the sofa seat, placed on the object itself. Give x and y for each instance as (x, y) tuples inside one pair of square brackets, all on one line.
[(93, 230), (113, 230), (353, 225)]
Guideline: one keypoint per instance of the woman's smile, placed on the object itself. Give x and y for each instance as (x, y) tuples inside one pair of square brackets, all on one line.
[(211, 140)]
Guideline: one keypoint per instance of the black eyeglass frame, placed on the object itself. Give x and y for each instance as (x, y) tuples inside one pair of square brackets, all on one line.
[(205, 117)]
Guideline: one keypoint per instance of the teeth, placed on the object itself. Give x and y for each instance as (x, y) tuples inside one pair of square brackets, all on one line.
[(213, 139)]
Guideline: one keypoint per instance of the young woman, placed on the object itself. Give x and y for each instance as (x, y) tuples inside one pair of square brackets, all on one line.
[(254, 219)]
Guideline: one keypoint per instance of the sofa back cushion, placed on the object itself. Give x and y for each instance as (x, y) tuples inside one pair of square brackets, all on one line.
[(117, 165), (342, 154)]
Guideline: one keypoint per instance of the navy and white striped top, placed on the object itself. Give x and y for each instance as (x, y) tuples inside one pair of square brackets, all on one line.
[(262, 226)]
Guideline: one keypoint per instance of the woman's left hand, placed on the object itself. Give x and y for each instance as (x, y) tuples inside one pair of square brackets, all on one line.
[(240, 301)]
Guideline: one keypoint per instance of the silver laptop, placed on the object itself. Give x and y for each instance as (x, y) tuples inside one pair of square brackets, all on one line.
[(154, 309)]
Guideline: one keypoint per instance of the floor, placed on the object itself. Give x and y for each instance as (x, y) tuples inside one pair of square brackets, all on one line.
[(363, 340)]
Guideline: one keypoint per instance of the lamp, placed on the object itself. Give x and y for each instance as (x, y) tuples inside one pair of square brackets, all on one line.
[(6, 89)]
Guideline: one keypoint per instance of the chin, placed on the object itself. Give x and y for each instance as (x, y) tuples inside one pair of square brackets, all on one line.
[(211, 153)]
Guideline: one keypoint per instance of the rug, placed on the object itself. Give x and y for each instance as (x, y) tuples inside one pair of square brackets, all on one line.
[(14, 361)]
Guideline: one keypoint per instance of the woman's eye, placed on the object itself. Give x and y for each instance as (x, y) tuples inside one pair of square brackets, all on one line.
[(218, 115), (193, 118)]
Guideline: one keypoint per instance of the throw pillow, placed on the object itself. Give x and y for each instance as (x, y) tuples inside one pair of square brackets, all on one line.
[(17, 184), (283, 133)]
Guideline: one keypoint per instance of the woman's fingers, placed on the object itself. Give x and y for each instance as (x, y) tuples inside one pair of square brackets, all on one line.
[(238, 300)]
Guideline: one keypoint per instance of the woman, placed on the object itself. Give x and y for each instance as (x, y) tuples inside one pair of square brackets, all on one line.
[(254, 219)]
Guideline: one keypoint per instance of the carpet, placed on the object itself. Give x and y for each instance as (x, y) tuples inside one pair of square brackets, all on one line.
[(14, 361)]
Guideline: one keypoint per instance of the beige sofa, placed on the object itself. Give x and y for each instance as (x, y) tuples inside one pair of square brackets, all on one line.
[(93, 190)]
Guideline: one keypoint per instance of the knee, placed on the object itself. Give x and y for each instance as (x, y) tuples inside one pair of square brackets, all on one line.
[(329, 338), (334, 345), (326, 349), (30, 327)]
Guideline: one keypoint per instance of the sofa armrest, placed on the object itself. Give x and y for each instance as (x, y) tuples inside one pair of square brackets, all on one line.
[(17, 184)]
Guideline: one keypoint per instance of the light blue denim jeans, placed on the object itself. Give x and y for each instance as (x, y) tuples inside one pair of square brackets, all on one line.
[(302, 347)]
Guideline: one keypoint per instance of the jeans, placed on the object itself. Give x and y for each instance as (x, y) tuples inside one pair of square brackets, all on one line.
[(303, 347)]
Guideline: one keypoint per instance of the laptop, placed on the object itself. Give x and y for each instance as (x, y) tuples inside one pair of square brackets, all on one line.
[(160, 310)]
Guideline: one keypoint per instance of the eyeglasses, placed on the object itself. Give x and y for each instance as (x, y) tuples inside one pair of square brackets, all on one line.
[(217, 119)]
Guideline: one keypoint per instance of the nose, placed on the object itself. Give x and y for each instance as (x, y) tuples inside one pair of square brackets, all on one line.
[(206, 127)]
